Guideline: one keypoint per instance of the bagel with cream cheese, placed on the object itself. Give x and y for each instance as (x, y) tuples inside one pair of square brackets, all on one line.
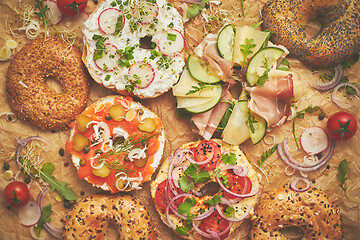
[(205, 190), (337, 40), (312, 211), (135, 47), (116, 144), (90, 217)]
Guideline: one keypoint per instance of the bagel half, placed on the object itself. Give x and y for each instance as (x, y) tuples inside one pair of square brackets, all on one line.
[(118, 155), (214, 225)]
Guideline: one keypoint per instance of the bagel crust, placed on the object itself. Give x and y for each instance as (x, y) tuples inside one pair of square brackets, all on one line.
[(311, 210), (26, 86), (90, 218), (337, 41)]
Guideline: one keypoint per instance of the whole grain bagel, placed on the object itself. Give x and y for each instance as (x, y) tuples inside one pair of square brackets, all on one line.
[(311, 210), (28, 93), (90, 218), (337, 40)]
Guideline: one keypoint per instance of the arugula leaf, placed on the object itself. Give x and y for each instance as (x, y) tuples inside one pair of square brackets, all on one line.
[(250, 121), (266, 155), (45, 217), (245, 49), (198, 88), (265, 76), (186, 184), (341, 176), (60, 187), (229, 159), (42, 13), (215, 200)]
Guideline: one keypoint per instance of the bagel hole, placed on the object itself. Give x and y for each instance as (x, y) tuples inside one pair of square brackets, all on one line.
[(210, 189), (146, 42), (312, 28), (54, 85), (293, 233)]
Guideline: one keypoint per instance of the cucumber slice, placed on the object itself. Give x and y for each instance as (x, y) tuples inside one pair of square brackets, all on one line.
[(257, 65), (186, 84), (259, 124), (184, 102), (201, 70), (208, 105), (225, 42)]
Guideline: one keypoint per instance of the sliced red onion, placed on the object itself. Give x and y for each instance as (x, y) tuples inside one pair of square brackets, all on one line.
[(168, 207), (214, 235), (191, 1), (206, 161), (41, 196), (253, 193), (238, 170), (286, 157), (296, 180), (22, 143), (229, 203), (205, 214), (175, 175), (337, 101), (209, 235), (53, 231), (339, 71), (29, 214)]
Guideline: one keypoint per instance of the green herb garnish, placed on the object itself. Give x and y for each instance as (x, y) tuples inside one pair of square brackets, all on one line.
[(265, 76), (341, 176), (198, 88), (42, 13), (118, 25), (266, 155), (215, 200), (195, 9), (229, 159), (100, 46), (245, 49), (45, 217)]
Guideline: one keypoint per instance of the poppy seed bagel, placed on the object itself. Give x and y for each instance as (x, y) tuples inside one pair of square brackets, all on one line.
[(28, 93), (337, 40)]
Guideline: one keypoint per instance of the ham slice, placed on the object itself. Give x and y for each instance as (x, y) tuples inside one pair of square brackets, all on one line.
[(208, 121), (207, 50), (272, 101)]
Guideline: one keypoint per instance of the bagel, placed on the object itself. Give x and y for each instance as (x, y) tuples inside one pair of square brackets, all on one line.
[(28, 93), (90, 217), (337, 41), (144, 46), (206, 220), (116, 153), (312, 211)]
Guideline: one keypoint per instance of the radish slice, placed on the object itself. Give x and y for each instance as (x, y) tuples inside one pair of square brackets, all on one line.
[(171, 42), (314, 140), (110, 58), (29, 214), (146, 12), (141, 74), (53, 13), (108, 20)]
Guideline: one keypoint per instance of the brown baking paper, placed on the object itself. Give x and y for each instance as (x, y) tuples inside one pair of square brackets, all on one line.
[(179, 131)]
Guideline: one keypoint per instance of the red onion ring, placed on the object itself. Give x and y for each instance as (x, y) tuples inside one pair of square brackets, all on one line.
[(296, 180), (41, 196), (238, 170), (337, 101), (205, 214), (50, 229), (214, 234), (235, 194), (191, 1), (301, 167), (168, 206), (206, 161), (339, 71), (232, 219), (22, 143)]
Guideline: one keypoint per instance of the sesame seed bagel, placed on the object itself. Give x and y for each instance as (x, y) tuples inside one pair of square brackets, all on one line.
[(337, 40), (89, 219), (28, 93), (311, 210)]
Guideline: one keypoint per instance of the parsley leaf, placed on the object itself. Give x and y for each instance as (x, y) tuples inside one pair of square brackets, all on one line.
[(185, 207), (341, 176), (215, 200), (266, 155), (230, 159), (195, 175), (229, 211), (186, 184)]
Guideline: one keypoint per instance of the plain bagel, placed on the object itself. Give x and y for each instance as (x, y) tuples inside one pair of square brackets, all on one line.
[(90, 218), (339, 36), (28, 93), (311, 210)]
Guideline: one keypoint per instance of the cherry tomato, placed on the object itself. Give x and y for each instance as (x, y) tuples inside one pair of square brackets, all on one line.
[(215, 223), (237, 184), (16, 194), (71, 8), (204, 150), (341, 126)]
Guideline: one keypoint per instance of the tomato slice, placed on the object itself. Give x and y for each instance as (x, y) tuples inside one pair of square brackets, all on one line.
[(204, 150), (215, 223), (237, 184), (160, 195)]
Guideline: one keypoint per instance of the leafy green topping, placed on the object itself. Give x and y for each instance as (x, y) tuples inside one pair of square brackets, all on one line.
[(229, 159), (198, 88), (186, 184), (100, 46), (265, 76), (118, 25), (229, 211), (341, 176), (63, 190), (266, 41), (266, 155), (245, 49), (250, 121), (171, 36), (185, 207), (215, 200), (225, 181), (196, 175), (42, 13), (45, 217)]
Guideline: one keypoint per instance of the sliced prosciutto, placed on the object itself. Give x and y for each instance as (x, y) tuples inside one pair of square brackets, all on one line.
[(272, 101), (207, 50)]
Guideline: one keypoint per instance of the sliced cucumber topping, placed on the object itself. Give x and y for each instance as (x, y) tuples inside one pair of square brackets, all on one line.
[(203, 107), (225, 42), (261, 63), (201, 70)]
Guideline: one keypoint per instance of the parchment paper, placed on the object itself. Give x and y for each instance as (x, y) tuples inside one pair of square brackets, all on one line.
[(179, 131)]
